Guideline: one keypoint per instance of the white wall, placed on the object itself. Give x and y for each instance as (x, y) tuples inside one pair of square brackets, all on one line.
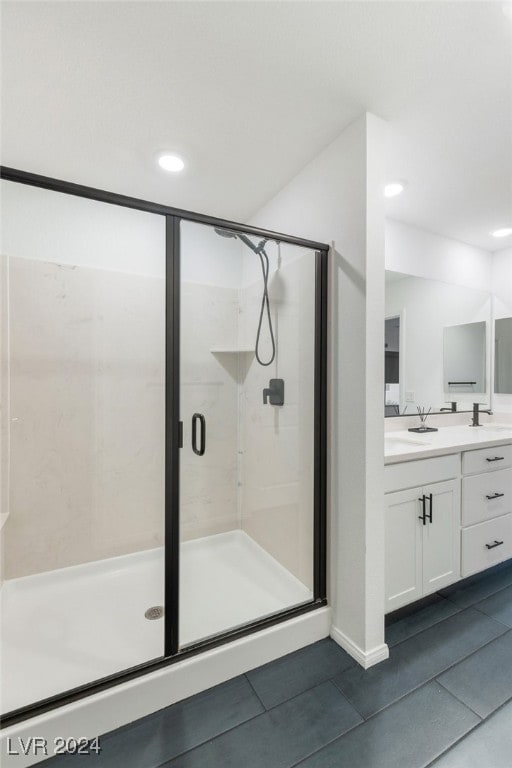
[(501, 271), (417, 252), (338, 196), (64, 229), (209, 259)]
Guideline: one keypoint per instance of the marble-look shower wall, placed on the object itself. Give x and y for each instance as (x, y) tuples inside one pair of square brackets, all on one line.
[(277, 481), (86, 415), (87, 376), (209, 386)]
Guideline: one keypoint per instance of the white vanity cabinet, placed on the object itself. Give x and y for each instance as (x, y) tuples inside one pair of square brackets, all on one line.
[(486, 514), (422, 547)]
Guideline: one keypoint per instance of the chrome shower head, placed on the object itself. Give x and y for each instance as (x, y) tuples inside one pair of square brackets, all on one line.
[(225, 232), (240, 235)]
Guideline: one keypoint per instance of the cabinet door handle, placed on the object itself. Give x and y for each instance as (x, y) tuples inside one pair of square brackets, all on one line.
[(198, 417), (495, 496), (496, 544), (423, 516), (429, 497), (496, 458)]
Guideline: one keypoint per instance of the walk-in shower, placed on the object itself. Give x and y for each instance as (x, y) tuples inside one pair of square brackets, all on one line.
[(163, 436)]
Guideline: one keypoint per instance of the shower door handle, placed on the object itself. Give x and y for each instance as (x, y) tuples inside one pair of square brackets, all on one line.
[(198, 418)]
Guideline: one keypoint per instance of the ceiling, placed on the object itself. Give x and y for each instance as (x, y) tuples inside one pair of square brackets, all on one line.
[(249, 92)]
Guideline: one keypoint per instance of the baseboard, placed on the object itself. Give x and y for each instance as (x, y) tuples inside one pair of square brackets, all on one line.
[(366, 659), (121, 704)]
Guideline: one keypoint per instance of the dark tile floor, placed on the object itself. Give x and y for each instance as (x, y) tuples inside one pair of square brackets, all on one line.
[(442, 699)]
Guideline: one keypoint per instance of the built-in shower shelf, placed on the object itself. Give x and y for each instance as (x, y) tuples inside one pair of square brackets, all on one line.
[(232, 350)]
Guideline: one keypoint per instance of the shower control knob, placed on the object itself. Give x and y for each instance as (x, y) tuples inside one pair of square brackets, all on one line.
[(274, 393)]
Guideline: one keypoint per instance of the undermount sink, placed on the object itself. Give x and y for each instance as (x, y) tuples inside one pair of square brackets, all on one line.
[(403, 443)]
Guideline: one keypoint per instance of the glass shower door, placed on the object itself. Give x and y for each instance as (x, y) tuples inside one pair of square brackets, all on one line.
[(247, 408), (82, 453)]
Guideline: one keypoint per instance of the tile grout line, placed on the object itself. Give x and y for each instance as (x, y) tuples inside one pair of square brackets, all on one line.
[(454, 695), (453, 745), (495, 592), (255, 693), (469, 608), (366, 720), (429, 680), (447, 618), (459, 610), (430, 626), (468, 733), (332, 680), (255, 717), (431, 763), (341, 735), (498, 621), (509, 629)]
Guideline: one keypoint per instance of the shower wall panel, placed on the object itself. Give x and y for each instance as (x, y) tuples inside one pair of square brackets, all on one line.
[(86, 415), (209, 484), (277, 479)]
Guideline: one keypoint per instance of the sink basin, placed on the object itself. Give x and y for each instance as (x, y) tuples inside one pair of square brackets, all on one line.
[(403, 444), (497, 427)]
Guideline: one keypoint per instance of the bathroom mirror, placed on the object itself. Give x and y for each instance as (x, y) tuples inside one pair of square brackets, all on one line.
[(503, 355), (464, 351), (426, 323)]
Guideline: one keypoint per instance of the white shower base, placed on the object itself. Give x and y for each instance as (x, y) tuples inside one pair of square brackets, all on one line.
[(64, 628)]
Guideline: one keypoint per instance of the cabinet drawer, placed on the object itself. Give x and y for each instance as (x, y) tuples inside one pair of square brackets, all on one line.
[(408, 474), (476, 554), (486, 459), (486, 496)]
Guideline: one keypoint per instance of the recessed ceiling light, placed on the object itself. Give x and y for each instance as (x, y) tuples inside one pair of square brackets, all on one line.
[(171, 163), (394, 188), (503, 232)]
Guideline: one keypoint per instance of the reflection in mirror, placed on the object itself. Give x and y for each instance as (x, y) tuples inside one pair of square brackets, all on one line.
[(464, 358), (503, 355), (392, 366), (417, 312)]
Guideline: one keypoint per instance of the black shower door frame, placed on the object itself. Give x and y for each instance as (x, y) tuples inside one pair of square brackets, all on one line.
[(173, 438)]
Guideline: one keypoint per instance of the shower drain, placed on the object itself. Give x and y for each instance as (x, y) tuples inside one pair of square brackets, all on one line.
[(155, 612)]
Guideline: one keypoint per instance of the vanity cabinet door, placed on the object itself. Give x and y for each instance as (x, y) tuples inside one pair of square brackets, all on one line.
[(403, 553), (441, 536)]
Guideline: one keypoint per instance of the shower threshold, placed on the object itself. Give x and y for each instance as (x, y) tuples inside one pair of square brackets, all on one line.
[(65, 628)]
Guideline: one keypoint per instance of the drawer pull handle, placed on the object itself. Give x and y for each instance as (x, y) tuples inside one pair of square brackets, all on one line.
[(495, 496), (496, 544), (496, 458)]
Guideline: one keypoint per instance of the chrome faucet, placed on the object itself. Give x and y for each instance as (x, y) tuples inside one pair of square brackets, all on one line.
[(476, 413)]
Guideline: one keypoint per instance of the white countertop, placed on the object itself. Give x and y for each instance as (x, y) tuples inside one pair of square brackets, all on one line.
[(407, 446)]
